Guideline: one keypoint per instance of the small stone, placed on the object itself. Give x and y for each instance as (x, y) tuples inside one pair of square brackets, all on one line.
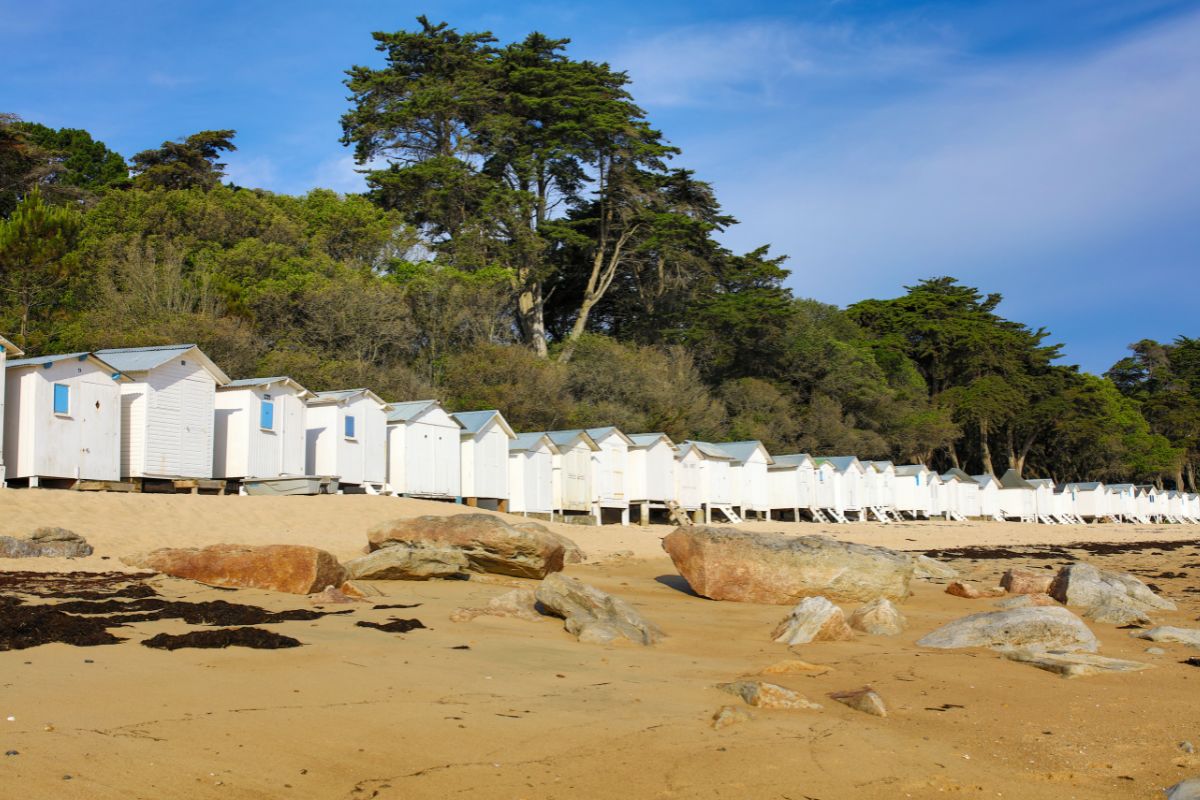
[(1167, 633), (814, 619), (1185, 790), (729, 715), (795, 666), (1074, 665), (11, 753), (1026, 581), (1187, 747), (767, 695), (878, 618), (926, 567), (1155, 651), (972, 592), (1018, 628), (866, 700), (592, 615), (518, 604), (1114, 612)]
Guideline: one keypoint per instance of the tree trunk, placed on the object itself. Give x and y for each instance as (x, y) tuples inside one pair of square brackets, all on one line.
[(531, 306), (604, 270), (1191, 476), (985, 449), (1008, 441), (1178, 476), (950, 448)]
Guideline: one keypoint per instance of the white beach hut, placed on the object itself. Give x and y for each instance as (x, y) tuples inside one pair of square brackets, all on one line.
[(1090, 499), (703, 480), (650, 481), (424, 451), (483, 458), (1018, 498), (881, 489), (7, 350), (574, 473), (531, 484), (828, 502), (1193, 502), (748, 471), (911, 491), (1122, 502), (610, 465), (1044, 504), (347, 438), (167, 410), (260, 429), (849, 486), (989, 496), (63, 419), (1149, 507), (962, 495), (792, 484)]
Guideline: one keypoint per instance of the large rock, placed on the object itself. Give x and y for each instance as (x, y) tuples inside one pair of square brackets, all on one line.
[(814, 619), (1034, 629), (1026, 600), (1019, 580), (866, 700), (572, 552), (489, 543), (1087, 587), (1185, 790), (1171, 635), (289, 568), (972, 592), (45, 543), (405, 562), (926, 567), (592, 615), (515, 603), (878, 618), (728, 564), (1075, 665), (1117, 613), (767, 695)]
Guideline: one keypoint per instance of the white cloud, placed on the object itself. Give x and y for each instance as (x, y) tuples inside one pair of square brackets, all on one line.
[(257, 172), (338, 173)]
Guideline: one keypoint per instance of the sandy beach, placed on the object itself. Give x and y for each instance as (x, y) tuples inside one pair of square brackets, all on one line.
[(510, 709)]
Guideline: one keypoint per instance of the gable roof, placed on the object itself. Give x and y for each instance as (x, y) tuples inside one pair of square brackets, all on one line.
[(1040, 483), (564, 439), (707, 449), (880, 466), (957, 474), (599, 433), (48, 361), (839, 463), (642, 440), (254, 383), (339, 396), (1086, 486), (795, 459), (1011, 480), (132, 360), (405, 412), (473, 422), (9, 347), (985, 480), (909, 470), (529, 441), (741, 451)]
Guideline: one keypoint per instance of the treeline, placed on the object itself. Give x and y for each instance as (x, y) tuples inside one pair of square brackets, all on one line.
[(527, 243)]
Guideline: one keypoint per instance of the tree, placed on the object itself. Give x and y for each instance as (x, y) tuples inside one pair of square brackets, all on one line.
[(187, 164), (35, 244), (79, 161)]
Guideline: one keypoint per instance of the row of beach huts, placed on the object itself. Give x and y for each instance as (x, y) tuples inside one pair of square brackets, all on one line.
[(151, 418)]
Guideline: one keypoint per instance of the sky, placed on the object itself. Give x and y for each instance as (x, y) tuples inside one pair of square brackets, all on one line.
[(1048, 151)]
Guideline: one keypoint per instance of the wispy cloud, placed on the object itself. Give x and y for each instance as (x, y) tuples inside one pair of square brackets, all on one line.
[(256, 172), (339, 173)]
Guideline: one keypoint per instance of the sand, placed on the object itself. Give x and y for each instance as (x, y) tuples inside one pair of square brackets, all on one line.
[(527, 711)]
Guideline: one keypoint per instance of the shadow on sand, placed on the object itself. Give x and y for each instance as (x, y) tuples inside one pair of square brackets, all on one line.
[(677, 583)]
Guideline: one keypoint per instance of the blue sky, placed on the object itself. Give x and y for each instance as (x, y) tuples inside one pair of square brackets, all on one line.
[(1049, 151)]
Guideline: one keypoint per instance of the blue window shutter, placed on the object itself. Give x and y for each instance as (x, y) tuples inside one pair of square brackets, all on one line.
[(349, 427), (62, 398), (266, 415)]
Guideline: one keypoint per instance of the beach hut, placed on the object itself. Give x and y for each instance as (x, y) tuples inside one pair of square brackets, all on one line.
[(347, 438), (531, 473), (424, 451), (7, 350), (748, 471), (259, 428), (483, 458), (881, 490), (828, 502), (989, 496), (1090, 499), (63, 419), (911, 491), (1122, 502), (849, 487), (1193, 503), (1045, 507), (610, 465), (1018, 498), (703, 480), (1148, 503), (650, 481), (167, 410), (962, 495), (792, 484), (574, 473), (1176, 506)]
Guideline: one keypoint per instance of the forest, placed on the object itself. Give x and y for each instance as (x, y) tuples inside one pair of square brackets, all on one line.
[(529, 241)]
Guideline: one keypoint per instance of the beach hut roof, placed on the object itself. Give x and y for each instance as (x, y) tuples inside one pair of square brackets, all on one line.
[(643, 440), (254, 383), (839, 463), (9, 347), (564, 439), (908, 470), (132, 360), (600, 433), (529, 441), (794, 459), (742, 451), (1011, 480), (403, 412), (473, 422), (340, 396), (985, 480), (954, 473), (1038, 483), (1086, 486), (48, 361), (707, 449)]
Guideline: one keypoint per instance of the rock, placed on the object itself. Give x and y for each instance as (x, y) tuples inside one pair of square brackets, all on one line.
[(1074, 665), (332, 595), (1155, 651), (729, 564), (1026, 581), (1026, 601), (1117, 613), (866, 700), (518, 604), (572, 552), (814, 619), (291, 568), (1088, 587), (1185, 790), (729, 715), (972, 592), (489, 543), (592, 615), (794, 666), (766, 695), (926, 567), (1166, 633), (878, 618), (358, 589), (45, 543), (407, 562), (1035, 629)]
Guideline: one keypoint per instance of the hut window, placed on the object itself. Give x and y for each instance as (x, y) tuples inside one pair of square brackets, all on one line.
[(349, 427), (918, 480), (62, 399), (266, 415)]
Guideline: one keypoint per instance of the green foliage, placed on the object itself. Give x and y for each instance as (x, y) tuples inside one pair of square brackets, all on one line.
[(188, 164), (35, 257), (76, 159)]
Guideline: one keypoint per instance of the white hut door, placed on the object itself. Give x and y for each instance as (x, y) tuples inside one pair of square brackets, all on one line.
[(99, 424), (291, 431), (689, 484), (445, 469), (422, 461)]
